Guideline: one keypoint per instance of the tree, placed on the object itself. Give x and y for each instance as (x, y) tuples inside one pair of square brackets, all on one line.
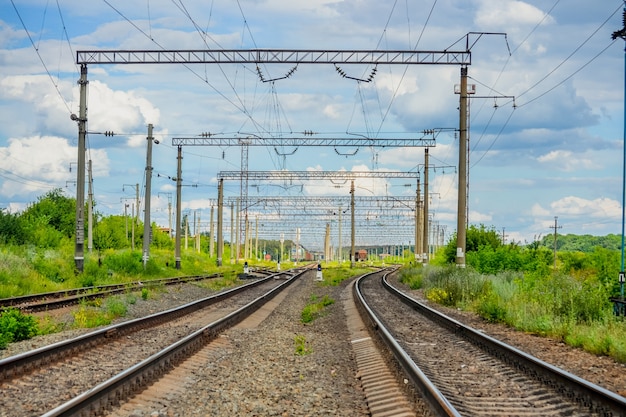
[(108, 233), (53, 212), (11, 229)]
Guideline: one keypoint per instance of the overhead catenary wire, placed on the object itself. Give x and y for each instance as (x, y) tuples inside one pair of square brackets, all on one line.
[(43, 63)]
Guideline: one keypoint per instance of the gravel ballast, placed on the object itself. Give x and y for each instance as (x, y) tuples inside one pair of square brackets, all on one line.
[(259, 372)]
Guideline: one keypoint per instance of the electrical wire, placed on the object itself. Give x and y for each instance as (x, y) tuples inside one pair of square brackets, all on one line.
[(43, 63), (406, 68), (547, 75), (571, 54)]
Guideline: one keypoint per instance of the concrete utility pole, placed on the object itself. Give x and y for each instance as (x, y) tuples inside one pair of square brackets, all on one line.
[(169, 211), (147, 227), (232, 233), (340, 255), (419, 231), (211, 233), (256, 237), (425, 231), (179, 186), (90, 209), (621, 33), (79, 249), (555, 227), (327, 243), (238, 231), (352, 254), (461, 224), (220, 222)]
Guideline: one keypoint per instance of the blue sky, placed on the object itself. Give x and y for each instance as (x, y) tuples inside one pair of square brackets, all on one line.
[(558, 152)]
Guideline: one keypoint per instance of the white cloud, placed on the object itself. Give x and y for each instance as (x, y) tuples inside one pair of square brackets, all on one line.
[(118, 111), (508, 14), (43, 160), (538, 211), (577, 206), (566, 161)]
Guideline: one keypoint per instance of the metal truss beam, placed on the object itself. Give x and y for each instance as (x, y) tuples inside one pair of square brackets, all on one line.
[(315, 175), (309, 141), (326, 202), (274, 56)]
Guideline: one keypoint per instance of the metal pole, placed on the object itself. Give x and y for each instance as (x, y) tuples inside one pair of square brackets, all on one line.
[(462, 192), (352, 254), (232, 232), (238, 225), (211, 233), (339, 250), (147, 227), (418, 223), (621, 284), (220, 222), (178, 205), (425, 240), (89, 210), (79, 255)]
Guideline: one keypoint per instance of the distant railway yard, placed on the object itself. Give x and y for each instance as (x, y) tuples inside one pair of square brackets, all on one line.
[(287, 343)]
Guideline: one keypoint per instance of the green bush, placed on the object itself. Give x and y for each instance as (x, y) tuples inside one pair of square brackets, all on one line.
[(490, 307), (16, 326), (412, 276), (124, 262)]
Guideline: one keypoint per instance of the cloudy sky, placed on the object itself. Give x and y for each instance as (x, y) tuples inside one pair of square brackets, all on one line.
[(555, 151)]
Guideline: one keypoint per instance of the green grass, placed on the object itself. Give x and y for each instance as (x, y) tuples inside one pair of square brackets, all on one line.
[(573, 309), (302, 346), (99, 312), (335, 275), (315, 308)]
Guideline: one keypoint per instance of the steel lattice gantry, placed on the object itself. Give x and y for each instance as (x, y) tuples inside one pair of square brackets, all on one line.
[(426, 140), (84, 58), (314, 175), (274, 56)]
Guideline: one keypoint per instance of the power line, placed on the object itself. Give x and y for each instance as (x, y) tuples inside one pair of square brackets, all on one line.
[(32, 42)]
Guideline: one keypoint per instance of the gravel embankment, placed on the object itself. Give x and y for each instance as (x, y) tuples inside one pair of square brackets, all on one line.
[(260, 374)]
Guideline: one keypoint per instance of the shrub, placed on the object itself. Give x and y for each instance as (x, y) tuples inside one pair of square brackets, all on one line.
[(16, 326), (412, 277), (490, 307)]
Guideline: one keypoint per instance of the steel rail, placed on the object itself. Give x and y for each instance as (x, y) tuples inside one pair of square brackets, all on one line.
[(604, 401), (429, 392), (132, 380), (17, 364)]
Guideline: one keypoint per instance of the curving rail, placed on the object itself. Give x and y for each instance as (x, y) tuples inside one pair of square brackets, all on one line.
[(591, 396)]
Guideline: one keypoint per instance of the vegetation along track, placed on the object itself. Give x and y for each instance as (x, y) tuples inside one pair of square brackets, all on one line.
[(57, 299), (41, 380), (460, 371)]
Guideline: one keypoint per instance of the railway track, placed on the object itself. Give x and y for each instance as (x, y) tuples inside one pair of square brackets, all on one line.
[(111, 364), (461, 372), (51, 300)]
